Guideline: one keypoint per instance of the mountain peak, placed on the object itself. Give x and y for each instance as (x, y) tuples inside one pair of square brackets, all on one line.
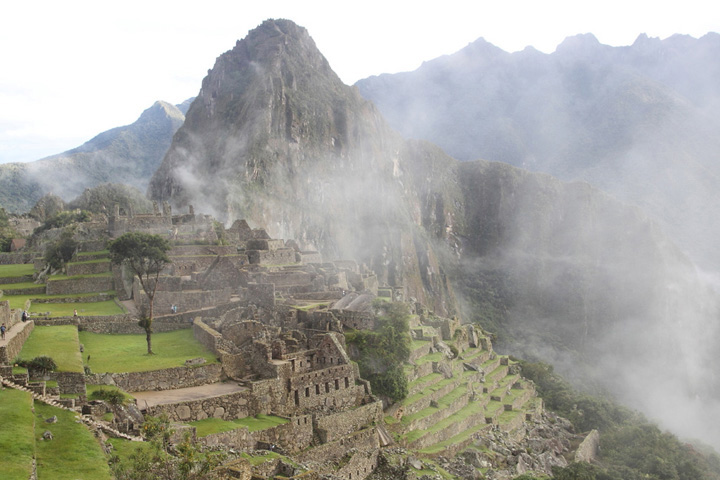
[(581, 43)]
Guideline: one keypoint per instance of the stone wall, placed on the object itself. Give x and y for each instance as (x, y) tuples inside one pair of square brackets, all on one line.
[(226, 407), (361, 464), (366, 439), (294, 436), (265, 244), (80, 285), (87, 268), (332, 388), (262, 294), (12, 347), (185, 300), (69, 382), (16, 258), (338, 425), (165, 379), (21, 279), (589, 448), (355, 320), (282, 256)]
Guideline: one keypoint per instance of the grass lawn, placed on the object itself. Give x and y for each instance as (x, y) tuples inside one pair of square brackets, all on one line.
[(18, 301), (128, 353), (16, 270), (106, 308), (73, 453), (216, 425), (17, 442), (60, 343), (9, 287)]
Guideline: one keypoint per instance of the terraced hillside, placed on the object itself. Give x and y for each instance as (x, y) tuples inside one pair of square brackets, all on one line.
[(456, 394)]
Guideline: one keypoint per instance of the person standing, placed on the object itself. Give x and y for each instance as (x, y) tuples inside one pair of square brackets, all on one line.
[(2, 331)]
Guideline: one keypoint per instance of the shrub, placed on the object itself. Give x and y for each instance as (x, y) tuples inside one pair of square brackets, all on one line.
[(39, 366), (113, 397)]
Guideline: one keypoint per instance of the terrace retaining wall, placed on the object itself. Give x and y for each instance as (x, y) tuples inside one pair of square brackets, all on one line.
[(80, 285), (165, 379), (226, 407)]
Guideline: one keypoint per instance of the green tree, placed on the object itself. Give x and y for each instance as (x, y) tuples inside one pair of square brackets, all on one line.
[(58, 253), (145, 255)]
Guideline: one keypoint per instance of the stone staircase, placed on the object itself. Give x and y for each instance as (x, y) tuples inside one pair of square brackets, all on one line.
[(453, 400), (86, 419)]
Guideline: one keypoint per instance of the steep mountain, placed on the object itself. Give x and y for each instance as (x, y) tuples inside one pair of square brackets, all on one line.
[(639, 122), (558, 270), (128, 154), (275, 137)]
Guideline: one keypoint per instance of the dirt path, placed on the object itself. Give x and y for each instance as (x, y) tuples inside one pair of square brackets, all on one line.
[(150, 399)]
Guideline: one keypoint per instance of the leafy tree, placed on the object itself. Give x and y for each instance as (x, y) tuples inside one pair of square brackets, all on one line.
[(145, 255), (58, 253)]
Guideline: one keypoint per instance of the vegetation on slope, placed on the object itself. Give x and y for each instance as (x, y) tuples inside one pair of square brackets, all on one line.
[(383, 351), (630, 446)]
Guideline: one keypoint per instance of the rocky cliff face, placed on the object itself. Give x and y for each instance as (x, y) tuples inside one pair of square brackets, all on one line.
[(560, 270), (128, 155)]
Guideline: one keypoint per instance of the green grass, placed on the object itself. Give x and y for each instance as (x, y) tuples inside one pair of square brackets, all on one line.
[(73, 453), (89, 254), (433, 357), (18, 301), (128, 353), (9, 287), (60, 343), (16, 270), (94, 309), (216, 425), (17, 442)]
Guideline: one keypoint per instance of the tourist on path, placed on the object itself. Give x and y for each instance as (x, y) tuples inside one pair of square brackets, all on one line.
[(2, 331)]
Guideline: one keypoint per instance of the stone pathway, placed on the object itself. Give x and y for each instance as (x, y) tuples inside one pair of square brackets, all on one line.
[(163, 397)]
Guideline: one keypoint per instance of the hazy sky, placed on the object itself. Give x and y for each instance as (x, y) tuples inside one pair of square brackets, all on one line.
[(72, 69)]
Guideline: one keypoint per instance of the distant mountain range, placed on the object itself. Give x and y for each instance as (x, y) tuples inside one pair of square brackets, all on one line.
[(128, 155), (641, 122)]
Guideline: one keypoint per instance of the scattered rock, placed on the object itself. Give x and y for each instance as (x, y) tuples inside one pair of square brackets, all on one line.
[(47, 435), (52, 419)]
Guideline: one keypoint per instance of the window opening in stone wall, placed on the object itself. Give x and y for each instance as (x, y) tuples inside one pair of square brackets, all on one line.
[(297, 397), (317, 389), (337, 384), (307, 391), (327, 387), (347, 382)]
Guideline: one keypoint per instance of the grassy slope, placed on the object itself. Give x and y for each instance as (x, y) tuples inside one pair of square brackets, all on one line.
[(60, 343), (16, 434), (73, 453), (128, 353)]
